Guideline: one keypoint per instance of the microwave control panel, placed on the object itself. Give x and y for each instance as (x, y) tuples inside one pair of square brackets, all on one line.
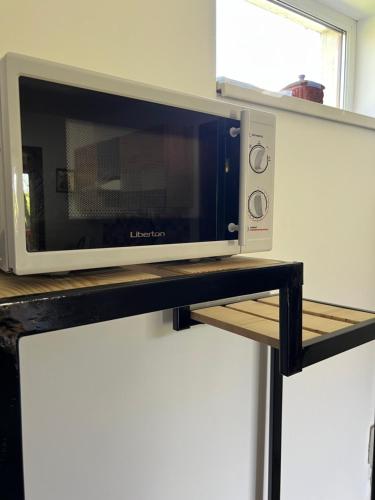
[(256, 180)]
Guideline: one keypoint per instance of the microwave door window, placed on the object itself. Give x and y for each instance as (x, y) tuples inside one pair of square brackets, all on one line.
[(32, 180), (104, 171)]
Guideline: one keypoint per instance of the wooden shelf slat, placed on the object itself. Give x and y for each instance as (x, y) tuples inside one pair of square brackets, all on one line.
[(244, 324), (352, 316), (310, 322), (14, 286), (349, 315), (265, 311), (228, 264)]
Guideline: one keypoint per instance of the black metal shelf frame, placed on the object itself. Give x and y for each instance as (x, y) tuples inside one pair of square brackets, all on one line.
[(39, 313)]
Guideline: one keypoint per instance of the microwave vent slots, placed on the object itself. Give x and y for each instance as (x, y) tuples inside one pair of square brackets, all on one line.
[(125, 174)]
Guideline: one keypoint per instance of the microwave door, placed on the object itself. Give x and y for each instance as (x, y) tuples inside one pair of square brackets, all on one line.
[(104, 171)]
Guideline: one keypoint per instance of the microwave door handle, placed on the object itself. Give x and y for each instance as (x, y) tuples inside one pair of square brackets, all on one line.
[(244, 180)]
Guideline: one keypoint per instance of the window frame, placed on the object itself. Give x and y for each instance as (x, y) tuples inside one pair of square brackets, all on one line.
[(325, 15)]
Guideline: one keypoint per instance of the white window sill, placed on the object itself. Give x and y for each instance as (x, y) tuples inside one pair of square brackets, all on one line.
[(243, 92)]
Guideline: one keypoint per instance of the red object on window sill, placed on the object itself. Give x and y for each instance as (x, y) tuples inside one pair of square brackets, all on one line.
[(305, 89)]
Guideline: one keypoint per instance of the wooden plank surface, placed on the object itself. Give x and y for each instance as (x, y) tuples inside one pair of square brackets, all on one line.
[(352, 316), (265, 311), (13, 286), (231, 263), (332, 312), (312, 323), (259, 319), (244, 324)]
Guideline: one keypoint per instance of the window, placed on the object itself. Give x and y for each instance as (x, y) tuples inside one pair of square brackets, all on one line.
[(268, 44)]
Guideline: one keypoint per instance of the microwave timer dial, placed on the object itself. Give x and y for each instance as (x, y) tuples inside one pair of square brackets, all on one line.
[(257, 204), (258, 158)]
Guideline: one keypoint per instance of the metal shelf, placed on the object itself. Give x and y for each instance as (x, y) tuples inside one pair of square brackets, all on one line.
[(326, 330), (32, 305)]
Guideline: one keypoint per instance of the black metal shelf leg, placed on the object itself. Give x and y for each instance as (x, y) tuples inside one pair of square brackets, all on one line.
[(291, 329), (275, 427), (11, 465)]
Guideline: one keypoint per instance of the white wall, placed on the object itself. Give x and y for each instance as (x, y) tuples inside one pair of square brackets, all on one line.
[(325, 206), (127, 409), (365, 67), (169, 43)]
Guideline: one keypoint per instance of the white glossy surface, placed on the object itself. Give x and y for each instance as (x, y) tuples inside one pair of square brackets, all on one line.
[(128, 410), (343, 383)]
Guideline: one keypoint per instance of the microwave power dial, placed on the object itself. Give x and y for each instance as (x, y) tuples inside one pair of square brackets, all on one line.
[(257, 204), (258, 158)]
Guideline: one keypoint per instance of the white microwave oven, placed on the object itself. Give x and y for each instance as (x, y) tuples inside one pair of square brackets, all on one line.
[(97, 171)]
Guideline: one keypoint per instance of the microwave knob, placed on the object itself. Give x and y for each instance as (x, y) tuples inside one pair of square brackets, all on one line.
[(257, 204), (258, 159)]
